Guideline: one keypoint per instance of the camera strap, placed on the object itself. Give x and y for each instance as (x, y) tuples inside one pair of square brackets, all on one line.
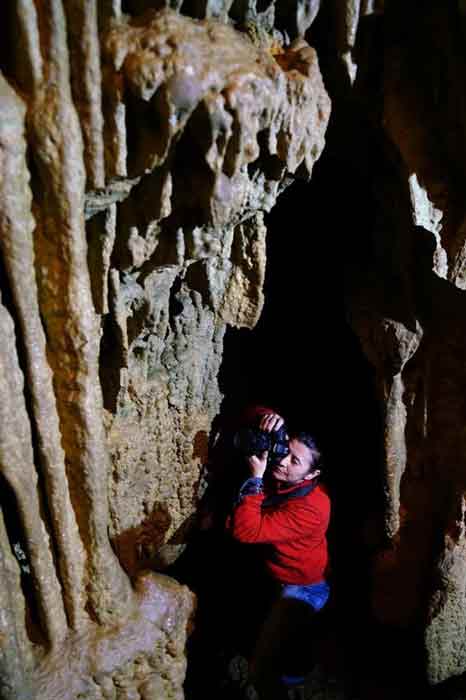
[(276, 499)]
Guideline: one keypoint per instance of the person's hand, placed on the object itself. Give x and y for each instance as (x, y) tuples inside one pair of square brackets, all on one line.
[(258, 465), (270, 422)]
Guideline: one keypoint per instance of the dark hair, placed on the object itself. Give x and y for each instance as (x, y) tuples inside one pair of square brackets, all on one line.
[(310, 443)]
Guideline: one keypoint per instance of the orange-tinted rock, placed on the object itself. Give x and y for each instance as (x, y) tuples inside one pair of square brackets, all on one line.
[(137, 157)]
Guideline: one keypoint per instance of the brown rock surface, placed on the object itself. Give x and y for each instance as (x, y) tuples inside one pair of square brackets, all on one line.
[(139, 150), (16, 242), (137, 156), (142, 657), (15, 656), (189, 254), (407, 306)]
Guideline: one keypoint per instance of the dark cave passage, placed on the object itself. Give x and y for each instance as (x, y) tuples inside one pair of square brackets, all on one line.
[(304, 360)]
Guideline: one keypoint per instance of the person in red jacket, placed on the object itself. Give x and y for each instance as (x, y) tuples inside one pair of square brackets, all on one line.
[(288, 513)]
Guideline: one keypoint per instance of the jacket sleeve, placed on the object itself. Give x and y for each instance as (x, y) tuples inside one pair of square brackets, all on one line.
[(250, 524)]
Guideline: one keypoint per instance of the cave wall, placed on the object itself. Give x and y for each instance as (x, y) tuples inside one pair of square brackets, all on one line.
[(141, 143), (397, 80), (395, 74), (139, 149)]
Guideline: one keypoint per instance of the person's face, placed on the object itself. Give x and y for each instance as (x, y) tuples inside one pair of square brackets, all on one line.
[(296, 466)]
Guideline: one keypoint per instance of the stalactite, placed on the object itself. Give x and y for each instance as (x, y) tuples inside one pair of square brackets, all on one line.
[(101, 238), (135, 302), (17, 467), (16, 244), (86, 81), (113, 104), (66, 305), (395, 451)]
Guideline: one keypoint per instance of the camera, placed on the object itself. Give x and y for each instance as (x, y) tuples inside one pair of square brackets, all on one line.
[(254, 441)]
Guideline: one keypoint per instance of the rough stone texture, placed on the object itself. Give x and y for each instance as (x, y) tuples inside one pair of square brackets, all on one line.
[(208, 81), (141, 658), (86, 84), (189, 254), (139, 150), (15, 432), (15, 652), (407, 304), (17, 225), (65, 301), (441, 307)]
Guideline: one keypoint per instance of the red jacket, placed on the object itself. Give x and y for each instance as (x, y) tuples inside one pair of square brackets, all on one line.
[(295, 529)]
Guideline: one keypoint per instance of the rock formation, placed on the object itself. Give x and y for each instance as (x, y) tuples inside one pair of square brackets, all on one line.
[(139, 149), (141, 143), (404, 86)]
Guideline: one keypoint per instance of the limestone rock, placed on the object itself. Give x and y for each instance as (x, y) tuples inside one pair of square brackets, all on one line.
[(210, 82), (137, 156), (143, 657), (189, 254), (408, 311)]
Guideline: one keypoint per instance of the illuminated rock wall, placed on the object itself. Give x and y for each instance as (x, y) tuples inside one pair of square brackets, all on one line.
[(138, 153), (141, 143)]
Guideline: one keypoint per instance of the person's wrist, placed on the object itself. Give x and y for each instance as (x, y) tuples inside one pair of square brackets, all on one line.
[(252, 486)]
